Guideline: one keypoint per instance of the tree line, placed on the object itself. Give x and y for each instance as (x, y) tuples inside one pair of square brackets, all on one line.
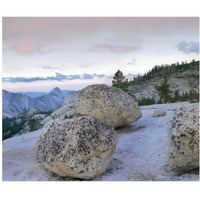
[(163, 89)]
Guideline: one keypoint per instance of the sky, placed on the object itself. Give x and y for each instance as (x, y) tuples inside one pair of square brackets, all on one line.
[(40, 53)]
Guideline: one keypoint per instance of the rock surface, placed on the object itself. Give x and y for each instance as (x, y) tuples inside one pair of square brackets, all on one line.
[(159, 113), (69, 98), (141, 153), (110, 105), (38, 116), (67, 110), (46, 119), (79, 148), (184, 139)]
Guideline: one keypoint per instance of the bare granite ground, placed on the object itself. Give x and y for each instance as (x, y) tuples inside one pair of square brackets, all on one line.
[(141, 153)]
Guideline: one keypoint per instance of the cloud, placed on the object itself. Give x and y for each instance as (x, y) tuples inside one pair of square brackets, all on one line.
[(188, 47), (84, 66), (99, 75), (49, 67), (30, 48), (27, 48), (87, 76), (46, 67), (132, 62), (58, 77), (45, 50), (120, 49)]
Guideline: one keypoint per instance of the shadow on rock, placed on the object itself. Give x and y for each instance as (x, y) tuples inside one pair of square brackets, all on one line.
[(129, 129)]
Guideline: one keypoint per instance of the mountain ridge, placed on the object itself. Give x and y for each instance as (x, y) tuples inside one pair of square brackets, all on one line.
[(15, 104), (182, 77)]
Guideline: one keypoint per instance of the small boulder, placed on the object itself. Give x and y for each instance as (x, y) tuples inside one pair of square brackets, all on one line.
[(78, 148), (159, 113), (110, 105), (183, 133)]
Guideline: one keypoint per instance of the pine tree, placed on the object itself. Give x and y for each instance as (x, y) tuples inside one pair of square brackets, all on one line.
[(176, 96), (120, 81), (164, 91)]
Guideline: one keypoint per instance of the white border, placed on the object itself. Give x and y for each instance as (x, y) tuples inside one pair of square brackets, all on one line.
[(99, 190)]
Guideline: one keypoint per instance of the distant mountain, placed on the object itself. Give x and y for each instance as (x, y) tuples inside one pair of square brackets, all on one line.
[(34, 119), (38, 94), (66, 91), (32, 94), (57, 93), (15, 104)]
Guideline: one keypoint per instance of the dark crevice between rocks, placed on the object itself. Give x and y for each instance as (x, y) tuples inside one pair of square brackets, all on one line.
[(129, 129)]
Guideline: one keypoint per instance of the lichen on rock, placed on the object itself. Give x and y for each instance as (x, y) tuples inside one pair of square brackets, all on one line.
[(184, 139), (110, 105), (79, 148)]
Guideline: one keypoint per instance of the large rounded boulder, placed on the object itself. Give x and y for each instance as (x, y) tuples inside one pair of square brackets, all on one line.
[(78, 148), (110, 105), (184, 139)]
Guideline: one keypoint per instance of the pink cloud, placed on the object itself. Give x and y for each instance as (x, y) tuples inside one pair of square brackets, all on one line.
[(27, 48)]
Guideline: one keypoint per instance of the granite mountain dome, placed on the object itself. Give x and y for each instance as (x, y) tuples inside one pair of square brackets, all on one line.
[(57, 92)]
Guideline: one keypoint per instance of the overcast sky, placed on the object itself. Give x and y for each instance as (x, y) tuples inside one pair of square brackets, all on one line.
[(71, 53)]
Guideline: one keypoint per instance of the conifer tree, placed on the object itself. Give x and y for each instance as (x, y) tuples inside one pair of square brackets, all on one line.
[(120, 81), (164, 91)]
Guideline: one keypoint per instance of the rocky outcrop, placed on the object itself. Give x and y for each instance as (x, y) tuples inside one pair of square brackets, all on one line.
[(159, 113), (31, 112), (182, 78), (46, 119), (184, 139), (110, 105), (69, 98), (65, 111), (38, 116), (80, 147)]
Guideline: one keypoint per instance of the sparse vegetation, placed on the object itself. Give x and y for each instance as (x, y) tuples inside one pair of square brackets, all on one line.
[(179, 70), (159, 71), (146, 101), (164, 91), (21, 123), (69, 116)]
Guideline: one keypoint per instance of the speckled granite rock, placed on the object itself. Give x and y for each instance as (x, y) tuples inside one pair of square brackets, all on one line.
[(184, 139), (159, 113), (110, 105), (80, 147)]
